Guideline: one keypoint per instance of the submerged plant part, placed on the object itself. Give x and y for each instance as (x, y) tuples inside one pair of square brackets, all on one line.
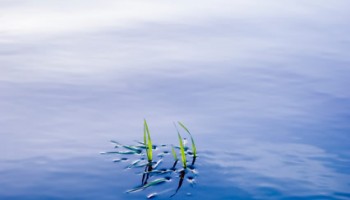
[(181, 179), (145, 176), (157, 169), (147, 141)]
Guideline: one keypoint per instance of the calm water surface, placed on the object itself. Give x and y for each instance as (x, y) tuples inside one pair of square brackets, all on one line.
[(263, 87)]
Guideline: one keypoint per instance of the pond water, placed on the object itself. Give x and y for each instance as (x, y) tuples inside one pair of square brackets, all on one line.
[(263, 88)]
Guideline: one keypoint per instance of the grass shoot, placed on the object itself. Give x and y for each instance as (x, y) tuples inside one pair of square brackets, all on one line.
[(147, 141), (174, 153), (194, 149), (150, 165), (182, 149)]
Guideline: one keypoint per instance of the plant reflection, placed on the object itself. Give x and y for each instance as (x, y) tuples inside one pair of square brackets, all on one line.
[(145, 176), (151, 175), (182, 176)]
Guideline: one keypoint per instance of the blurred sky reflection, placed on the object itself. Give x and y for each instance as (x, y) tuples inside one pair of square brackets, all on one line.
[(263, 85)]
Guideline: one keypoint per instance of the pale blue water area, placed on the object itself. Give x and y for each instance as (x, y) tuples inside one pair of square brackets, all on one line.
[(263, 87)]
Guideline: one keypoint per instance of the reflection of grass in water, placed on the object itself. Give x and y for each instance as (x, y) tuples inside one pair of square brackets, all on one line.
[(153, 183), (151, 167), (181, 179)]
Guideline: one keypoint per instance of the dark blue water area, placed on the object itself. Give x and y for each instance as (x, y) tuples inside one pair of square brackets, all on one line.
[(264, 91)]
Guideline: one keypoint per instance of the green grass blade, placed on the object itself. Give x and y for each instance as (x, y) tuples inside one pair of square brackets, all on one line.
[(194, 149), (150, 146), (148, 142), (184, 127), (174, 153), (182, 149), (145, 137)]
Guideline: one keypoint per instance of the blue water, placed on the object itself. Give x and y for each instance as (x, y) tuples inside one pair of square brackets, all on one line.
[(263, 87)]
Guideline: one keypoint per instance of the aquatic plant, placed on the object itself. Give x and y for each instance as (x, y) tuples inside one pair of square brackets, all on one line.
[(182, 149), (194, 149), (147, 141), (155, 173), (174, 153), (146, 175), (175, 157)]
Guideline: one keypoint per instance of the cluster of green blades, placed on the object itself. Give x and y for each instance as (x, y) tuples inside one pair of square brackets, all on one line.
[(147, 141), (148, 146), (145, 150)]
